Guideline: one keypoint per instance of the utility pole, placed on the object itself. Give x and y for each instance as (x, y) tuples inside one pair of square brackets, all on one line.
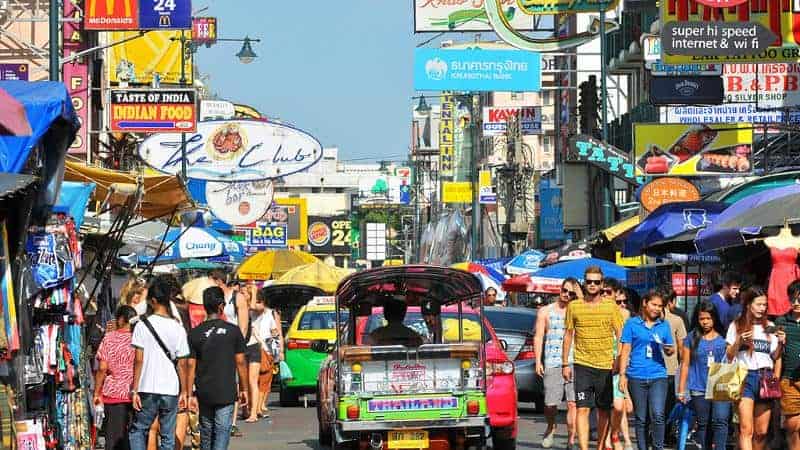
[(55, 53), (475, 155), (608, 180), (182, 81)]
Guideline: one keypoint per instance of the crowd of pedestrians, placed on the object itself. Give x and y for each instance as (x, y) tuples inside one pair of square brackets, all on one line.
[(623, 359), (162, 361)]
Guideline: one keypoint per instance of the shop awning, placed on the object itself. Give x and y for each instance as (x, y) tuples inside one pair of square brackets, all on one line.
[(620, 228), (47, 105), (73, 198), (162, 193), (11, 184)]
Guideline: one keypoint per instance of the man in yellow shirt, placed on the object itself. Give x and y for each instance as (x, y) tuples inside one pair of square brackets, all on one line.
[(592, 324)]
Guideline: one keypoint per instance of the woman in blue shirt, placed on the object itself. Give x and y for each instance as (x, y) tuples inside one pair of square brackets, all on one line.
[(642, 371), (704, 345)]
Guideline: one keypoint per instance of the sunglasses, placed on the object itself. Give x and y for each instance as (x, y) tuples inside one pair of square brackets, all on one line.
[(572, 294), (595, 282), (619, 302), (608, 291)]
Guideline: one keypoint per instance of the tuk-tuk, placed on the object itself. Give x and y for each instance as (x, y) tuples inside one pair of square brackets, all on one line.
[(425, 392)]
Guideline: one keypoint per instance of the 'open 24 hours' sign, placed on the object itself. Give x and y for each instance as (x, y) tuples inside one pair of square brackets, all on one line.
[(268, 235)]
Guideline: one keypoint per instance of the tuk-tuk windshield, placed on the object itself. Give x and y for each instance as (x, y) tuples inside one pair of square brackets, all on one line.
[(449, 324)]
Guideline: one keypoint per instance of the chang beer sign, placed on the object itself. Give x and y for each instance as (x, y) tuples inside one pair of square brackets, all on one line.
[(234, 150), (583, 148)]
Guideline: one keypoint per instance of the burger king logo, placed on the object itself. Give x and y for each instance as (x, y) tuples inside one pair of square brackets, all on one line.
[(319, 234)]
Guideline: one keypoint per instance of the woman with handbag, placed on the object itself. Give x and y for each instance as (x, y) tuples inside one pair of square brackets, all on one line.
[(701, 348), (265, 330), (752, 340)]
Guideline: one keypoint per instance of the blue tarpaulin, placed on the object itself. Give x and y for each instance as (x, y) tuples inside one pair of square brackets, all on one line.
[(45, 102), (73, 198)]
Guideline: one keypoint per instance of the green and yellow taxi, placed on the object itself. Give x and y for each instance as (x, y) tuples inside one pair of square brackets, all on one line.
[(313, 322)]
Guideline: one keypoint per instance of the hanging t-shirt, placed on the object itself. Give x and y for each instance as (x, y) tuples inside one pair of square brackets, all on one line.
[(214, 344), (763, 346), (158, 372), (707, 351)]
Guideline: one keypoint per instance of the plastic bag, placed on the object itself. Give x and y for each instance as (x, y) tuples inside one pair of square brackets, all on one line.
[(725, 381), (285, 371)]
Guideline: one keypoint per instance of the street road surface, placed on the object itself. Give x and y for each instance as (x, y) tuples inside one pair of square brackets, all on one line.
[(296, 428)]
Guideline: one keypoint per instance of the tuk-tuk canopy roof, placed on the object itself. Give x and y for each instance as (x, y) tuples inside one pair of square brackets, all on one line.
[(286, 294), (442, 284)]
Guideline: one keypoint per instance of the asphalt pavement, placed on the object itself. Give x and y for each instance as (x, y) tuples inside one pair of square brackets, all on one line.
[(296, 428)]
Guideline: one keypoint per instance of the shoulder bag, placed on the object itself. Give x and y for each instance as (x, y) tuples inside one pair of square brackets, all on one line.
[(769, 385), (161, 344)]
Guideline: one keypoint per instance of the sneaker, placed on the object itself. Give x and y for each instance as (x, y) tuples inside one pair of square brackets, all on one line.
[(547, 442)]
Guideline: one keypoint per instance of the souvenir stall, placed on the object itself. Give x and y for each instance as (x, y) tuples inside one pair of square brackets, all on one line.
[(41, 400)]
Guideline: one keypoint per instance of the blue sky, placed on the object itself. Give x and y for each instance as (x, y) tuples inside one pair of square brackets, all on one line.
[(341, 70)]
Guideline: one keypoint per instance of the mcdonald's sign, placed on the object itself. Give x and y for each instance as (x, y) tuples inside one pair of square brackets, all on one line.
[(111, 15), (166, 15)]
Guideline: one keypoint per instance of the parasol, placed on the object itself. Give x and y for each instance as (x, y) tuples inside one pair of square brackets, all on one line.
[(317, 274), (271, 264)]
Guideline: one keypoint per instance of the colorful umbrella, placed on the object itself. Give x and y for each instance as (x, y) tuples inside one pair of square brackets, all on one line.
[(750, 218), (671, 220), (317, 274), (532, 283), (271, 264), (489, 277), (526, 262)]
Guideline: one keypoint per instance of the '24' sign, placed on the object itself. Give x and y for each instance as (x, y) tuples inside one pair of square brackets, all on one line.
[(166, 14)]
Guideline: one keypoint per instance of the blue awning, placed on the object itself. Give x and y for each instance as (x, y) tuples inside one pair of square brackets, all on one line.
[(46, 103), (73, 198)]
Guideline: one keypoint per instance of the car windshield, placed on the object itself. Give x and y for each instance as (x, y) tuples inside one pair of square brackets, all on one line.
[(510, 320), (320, 320), (414, 320)]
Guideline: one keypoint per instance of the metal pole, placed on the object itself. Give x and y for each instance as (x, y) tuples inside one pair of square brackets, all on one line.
[(55, 15), (473, 172), (184, 168), (608, 180)]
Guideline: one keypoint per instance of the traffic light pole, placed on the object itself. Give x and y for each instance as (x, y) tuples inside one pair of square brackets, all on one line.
[(608, 180)]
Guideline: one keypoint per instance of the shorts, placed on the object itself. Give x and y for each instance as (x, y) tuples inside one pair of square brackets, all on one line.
[(752, 388), (556, 388), (593, 387), (790, 397), (253, 354)]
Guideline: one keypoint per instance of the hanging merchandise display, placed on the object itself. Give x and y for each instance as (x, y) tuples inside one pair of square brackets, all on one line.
[(56, 369)]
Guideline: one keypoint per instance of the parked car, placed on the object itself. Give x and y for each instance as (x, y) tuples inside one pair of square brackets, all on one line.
[(516, 326)]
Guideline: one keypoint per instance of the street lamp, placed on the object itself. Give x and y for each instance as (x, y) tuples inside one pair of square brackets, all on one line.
[(423, 108), (246, 55)]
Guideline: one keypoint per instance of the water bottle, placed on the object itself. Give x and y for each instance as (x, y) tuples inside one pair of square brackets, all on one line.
[(99, 415)]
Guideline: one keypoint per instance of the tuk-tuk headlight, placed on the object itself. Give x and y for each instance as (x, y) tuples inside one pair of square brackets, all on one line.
[(466, 364), (356, 368)]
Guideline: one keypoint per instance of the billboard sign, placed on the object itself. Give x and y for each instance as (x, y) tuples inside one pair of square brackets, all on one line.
[(329, 235), (667, 190), (234, 150), (771, 86), (153, 110), (727, 113), (659, 69), (106, 15), (674, 149), (476, 70), (745, 22), (76, 74), (432, 16), (586, 149), (239, 203), (14, 71), (447, 124), (486, 194), (563, 6), (216, 109), (495, 119), (145, 56), (686, 91), (165, 15), (291, 211), (268, 235), (551, 216), (204, 30), (457, 192)]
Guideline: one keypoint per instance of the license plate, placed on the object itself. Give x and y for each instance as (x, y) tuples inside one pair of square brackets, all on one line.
[(408, 439)]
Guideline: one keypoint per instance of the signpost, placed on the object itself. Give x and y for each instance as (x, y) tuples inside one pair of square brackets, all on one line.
[(153, 111)]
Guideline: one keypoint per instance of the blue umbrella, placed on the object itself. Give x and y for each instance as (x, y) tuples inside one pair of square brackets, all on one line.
[(748, 218), (671, 220), (526, 262), (577, 267), (194, 243)]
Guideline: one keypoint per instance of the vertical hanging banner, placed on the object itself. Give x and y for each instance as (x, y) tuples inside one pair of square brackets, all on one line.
[(165, 15), (76, 72), (446, 134), (107, 15), (204, 30)]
